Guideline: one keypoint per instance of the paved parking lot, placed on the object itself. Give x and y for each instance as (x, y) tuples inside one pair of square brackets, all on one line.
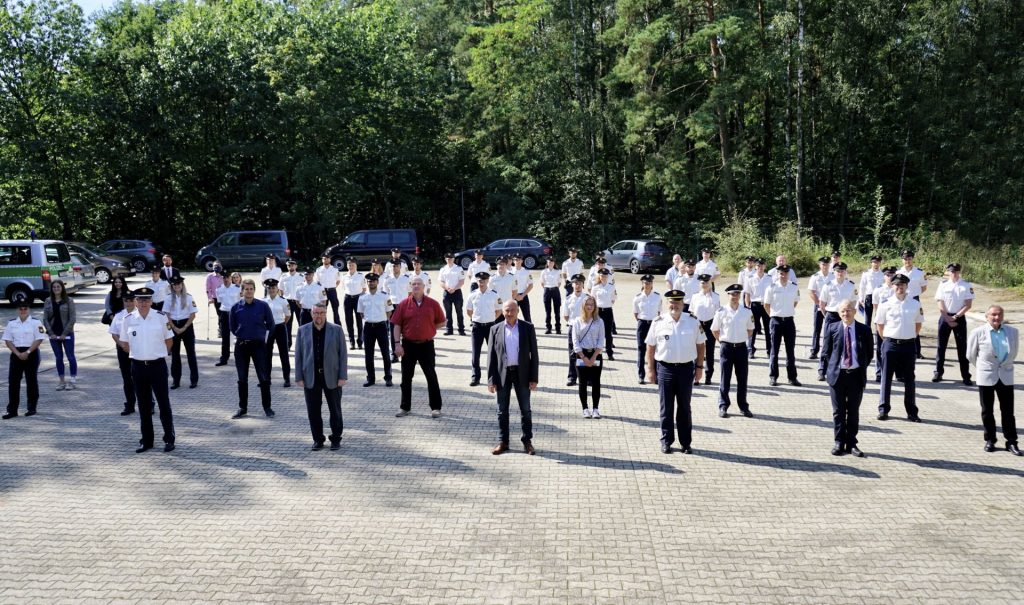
[(417, 510)]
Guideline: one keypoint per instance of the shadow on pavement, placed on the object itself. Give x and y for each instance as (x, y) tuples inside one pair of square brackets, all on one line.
[(789, 464), (609, 463), (951, 465)]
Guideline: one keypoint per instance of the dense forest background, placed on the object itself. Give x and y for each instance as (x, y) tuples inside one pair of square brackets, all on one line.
[(853, 122)]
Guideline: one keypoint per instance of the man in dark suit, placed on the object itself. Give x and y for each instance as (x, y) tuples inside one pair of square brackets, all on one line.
[(847, 347), (321, 368), (513, 363)]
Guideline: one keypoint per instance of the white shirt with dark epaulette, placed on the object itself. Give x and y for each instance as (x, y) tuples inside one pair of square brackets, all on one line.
[(24, 333), (832, 294), (146, 336), (484, 304)]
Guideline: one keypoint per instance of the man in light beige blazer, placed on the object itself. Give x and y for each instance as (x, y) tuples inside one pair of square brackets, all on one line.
[(991, 349)]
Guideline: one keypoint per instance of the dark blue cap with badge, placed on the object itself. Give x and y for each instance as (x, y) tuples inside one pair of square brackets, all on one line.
[(899, 278), (603, 272), (372, 277), (824, 259), (578, 277), (839, 267), (647, 278), (953, 267), (144, 293), (734, 289), (482, 275), (270, 282), (174, 280), (703, 277), (675, 295)]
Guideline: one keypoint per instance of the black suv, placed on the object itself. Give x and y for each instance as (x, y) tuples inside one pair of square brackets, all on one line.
[(369, 244), (247, 249), (530, 249)]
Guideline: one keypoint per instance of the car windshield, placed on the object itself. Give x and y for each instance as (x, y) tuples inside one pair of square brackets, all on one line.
[(656, 247), (90, 249)]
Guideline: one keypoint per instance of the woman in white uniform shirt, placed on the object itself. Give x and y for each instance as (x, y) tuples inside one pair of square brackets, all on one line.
[(181, 310)]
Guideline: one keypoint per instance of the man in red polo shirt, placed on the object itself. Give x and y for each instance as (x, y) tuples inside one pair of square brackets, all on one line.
[(416, 321)]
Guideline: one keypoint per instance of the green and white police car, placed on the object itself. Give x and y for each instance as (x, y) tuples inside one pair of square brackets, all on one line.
[(28, 266)]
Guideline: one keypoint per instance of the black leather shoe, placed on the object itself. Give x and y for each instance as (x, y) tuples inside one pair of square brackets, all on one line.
[(747, 413), (474, 382), (175, 386), (193, 385), (368, 384), (570, 383), (707, 380), (388, 383), (30, 413), (221, 363), (936, 378), (722, 413), (8, 416), (240, 414), (548, 331), (317, 446), (352, 347), (821, 377), (558, 330), (990, 446), (837, 449), (914, 418), (127, 412), (335, 446), (686, 450), (855, 451), (168, 447), (795, 383), (919, 356), (611, 357), (143, 448), (968, 383), (287, 384), (448, 333), (878, 379), (666, 449), (1013, 449), (772, 382), (813, 356), (883, 416), (269, 412)]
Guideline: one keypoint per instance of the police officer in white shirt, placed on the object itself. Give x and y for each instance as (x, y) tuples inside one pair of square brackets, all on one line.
[(327, 275), (160, 288), (524, 285), (605, 295), (551, 281), (836, 257), (687, 283), (289, 285), (754, 288), (228, 295), (571, 308), (646, 308), (814, 287), (673, 273), (955, 297), (780, 302), (417, 271), (829, 298), (703, 307), (675, 354), (748, 269), (452, 278), (147, 337), (396, 259), (308, 295), (375, 308), (478, 265), (281, 311), (270, 271), (878, 296), (599, 263), (483, 307), (396, 284), (23, 336), (706, 266), (181, 309), (732, 326), (869, 280), (503, 282), (780, 261), (353, 284), (124, 363), (899, 321), (571, 266), (917, 286)]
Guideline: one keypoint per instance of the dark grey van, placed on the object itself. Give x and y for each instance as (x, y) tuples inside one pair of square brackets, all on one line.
[(369, 244), (246, 249)]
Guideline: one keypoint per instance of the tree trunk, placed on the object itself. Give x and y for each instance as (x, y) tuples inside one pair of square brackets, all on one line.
[(800, 115), (903, 173), (721, 114)]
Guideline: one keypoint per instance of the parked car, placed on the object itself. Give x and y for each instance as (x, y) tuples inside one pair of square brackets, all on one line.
[(141, 253), (532, 250), (84, 274), (247, 249), (28, 266), (368, 244), (106, 266), (638, 255)]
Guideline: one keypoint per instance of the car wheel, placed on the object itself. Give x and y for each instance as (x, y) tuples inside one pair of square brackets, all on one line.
[(530, 262), (18, 294), (207, 263), (464, 263), (634, 266), (340, 263), (103, 276), (139, 264)]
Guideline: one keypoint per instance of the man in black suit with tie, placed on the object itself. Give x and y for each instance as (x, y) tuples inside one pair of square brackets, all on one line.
[(847, 347), (513, 363), (168, 271)]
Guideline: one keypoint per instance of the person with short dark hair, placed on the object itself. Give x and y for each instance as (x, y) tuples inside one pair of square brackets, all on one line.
[(353, 284), (147, 338), (551, 281), (252, 322), (321, 369), (646, 308), (327, 275), (780, 301), (228, 295), (899, 323), (278, 336), (955, 298), (375, 310), (732, 326), (452, 278), (483, 308), (23, 336)]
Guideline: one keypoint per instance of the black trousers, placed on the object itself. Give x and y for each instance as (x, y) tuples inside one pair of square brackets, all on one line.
[(355, 332), (150, 378), (305, 317), (783, 329), (552, 306), (733, 357), (918, 339), (590, 380), (454, 299), (332, 298), (709, 350), (831, 317), (869, 314), (573, 375), (959, 333), (29, 369), (675, 388), (124, 363), (279, 337), (296, 312), (480, 334), (504, 392), (188, 338), (900, 359), (988, 419), (376, 335), (421, 353), (225, 336), (846, 393), (608, 317), (255, 351), (643, 327), (314, 409), (762, 325), (818, 324), (524, 309)]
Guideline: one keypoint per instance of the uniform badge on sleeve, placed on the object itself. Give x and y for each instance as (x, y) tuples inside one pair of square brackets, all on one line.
[(42, 330)]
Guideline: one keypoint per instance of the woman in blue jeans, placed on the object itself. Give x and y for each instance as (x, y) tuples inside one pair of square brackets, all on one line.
[(59, 321)]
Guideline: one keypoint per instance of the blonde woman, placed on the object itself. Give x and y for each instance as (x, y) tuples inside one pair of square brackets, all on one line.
[(59, 320), (180, 308), (588, 334)]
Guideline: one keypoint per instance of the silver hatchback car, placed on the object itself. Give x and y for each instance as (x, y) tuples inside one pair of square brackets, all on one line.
[(638, 255)]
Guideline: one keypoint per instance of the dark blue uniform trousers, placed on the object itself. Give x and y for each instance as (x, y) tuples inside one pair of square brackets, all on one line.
[(314, 407), (732, 357), (643, 326), (552, 306), (124, 363), (30, 370), (819, 322), (150, 379), (783, 329), (899, 358), (762, 324), (375, 335), (960, 337), (480, 334), (675, 387)]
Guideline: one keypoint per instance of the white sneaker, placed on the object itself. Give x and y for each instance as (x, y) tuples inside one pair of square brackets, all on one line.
[(596, 414), (71, 385), (586, 413), (435, 413), (62, 386)]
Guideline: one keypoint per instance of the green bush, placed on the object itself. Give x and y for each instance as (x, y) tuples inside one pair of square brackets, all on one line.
[(743, 237)]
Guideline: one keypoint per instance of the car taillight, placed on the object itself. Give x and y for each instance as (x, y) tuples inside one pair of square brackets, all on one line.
[(287, 251), (547, 249), (46, 275), (151, 250), (417, 250), (647, 255)]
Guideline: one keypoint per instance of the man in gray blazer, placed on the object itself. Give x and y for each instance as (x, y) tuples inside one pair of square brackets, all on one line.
[(991, 349), (321, 367), (513, 363)]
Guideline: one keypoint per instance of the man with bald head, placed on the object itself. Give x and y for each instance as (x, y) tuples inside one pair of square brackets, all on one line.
[(991, 349), (416, 320), (781, 261), (513, 363)]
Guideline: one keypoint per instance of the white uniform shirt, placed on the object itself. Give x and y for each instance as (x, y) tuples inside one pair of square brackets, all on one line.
[(176, 311), (524, 279), (782, 299), (647, 306), (310, 294), (388, 265), (503, 285), (707, 267), (146, 336), (160, 289), (268, 273), (918, 280), (757, 286), (881, 294), (573, 304), (571, 267), (688, 285), (353, 284), (732, 325), (228, 296), (835, 293), (774, 272), (954, 294), (451, 276), (477, 266), (817, 282), (550, 278), (900, 317), (483, 305), (279, 308), (327, 276), (704, 306), (117, 322), (869, 280), (671, 276), (396, 287), (24, 333), (675, 341), (592, 278), (426, 281), (604, 294), (374, 306), (744, 273), (290, 283)]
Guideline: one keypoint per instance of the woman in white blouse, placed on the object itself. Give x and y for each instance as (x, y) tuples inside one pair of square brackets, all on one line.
[(587, 343), (180, 308)]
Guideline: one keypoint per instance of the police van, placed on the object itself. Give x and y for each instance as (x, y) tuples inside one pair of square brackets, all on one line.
[(28, 266)]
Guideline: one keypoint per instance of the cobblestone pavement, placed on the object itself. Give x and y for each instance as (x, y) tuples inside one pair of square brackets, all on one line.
[(417, 510)]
